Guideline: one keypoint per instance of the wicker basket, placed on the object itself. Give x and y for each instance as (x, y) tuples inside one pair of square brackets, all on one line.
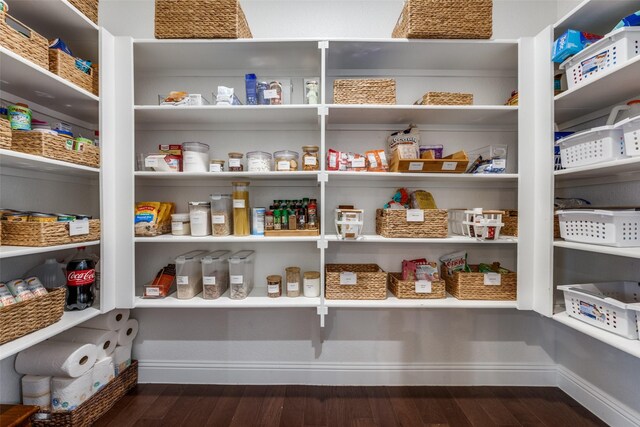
[(5, 134), (406, 289), (41, 234), (510, 221), (201, 19), (364, 91), (54, 147), (95, 79), (88, 7), (64, 65), (371, 282), (393, 223), (97, 405), (25, 317), (470, 286), (445, 98), (34, 48), (445, 19)]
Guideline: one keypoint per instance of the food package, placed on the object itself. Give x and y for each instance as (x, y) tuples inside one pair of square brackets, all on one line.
[(122, 358), (161, 286), (225, 96), (420, 269), (163, 162), (421, 199), (456, 261), (632, 20), (174, 150), (376, 161), (69, 393), (406, 143), (345, 161), (176, 98), (153, 218), (435, 149), (570, 43)]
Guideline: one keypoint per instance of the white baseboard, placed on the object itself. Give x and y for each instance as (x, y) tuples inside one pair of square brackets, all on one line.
[(603, 405)]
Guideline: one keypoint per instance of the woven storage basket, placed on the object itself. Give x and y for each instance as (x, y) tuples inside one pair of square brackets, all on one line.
[(510, 221), (95, 79), (445, 19), (65, 66), (88, 7), (406, 289), (54, 147), (201, 19), (34, 48), (371, 282), (25, 317), (5, 134), (97, 405), (445, 98), (364, 91), (41, 234), (470, 286), (393, 223)]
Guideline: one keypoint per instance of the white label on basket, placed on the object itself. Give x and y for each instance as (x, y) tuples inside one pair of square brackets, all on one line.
[(215, 167), (293, 286), (273, 289), (208, 280), (151, 162), (348, 278), (176, 226), (449, 166), (236, 279), (492, 279), (500, 163), (79, 227), (271, 93), (423, 287), (238, 204), (218, 219), (591, 311), (234, 163), (415, 166), (310, 161), (152, 292), (415, 215), (182, 280), (284, 165), (358, 163)]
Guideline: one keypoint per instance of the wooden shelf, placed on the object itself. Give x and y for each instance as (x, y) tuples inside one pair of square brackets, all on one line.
[(14, 251), (17, 160)]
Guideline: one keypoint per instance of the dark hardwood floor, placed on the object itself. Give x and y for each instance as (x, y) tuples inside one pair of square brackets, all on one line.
[(292, 405)]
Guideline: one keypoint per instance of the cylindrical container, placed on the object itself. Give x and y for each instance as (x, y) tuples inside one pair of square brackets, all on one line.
[(195, 157), (286, 160), (258, 161), (215, 274), (15, 216), (268, 219), (310, 158), (216, 165), (199, 213), (181, 224), (20, 290), (235, 162), (275, 88), (42, 217), (19, 117), (241, 220), (311, 287), (35, 286), (257, 221), (221, 214), (293, 281), (274, 286), (262, 86)]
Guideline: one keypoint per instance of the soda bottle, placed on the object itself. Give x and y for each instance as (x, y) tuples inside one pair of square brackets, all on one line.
[(81, 274)]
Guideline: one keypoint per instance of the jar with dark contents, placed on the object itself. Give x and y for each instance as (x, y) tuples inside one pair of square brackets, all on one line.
[(235, 162), (274, 286)]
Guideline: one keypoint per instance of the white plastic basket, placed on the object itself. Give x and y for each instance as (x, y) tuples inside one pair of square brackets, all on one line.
[(600, 227), (636, 308), (611, 51), (477, 223), (601, 144), (631, 134), (605, 305)]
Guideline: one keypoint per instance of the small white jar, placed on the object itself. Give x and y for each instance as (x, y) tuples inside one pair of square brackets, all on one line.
[(311, 284), (181, 224)]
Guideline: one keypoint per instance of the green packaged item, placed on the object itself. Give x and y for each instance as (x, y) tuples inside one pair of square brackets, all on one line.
[(456, 261)]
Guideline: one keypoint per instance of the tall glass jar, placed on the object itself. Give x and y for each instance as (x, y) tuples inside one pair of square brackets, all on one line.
[(221, 214), (293, 281), (310, 158), (241, 209)]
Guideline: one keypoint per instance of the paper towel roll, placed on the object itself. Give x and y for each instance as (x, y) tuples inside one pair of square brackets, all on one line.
[(122, 358), (35, 385), (128, 332), (56, 359), (44, 401), (68, 393), (104, 340), (103, 372), (111, 321)]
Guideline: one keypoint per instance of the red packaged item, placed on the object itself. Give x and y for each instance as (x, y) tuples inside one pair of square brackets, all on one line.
[(420, 269), (356, 162), (161, 286), (334, 162), (377, 161), (175, 150)]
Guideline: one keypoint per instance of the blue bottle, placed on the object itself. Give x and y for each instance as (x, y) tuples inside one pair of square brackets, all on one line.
[(250, 83)]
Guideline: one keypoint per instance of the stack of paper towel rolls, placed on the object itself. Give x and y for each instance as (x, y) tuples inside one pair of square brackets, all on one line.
[(66, 370)]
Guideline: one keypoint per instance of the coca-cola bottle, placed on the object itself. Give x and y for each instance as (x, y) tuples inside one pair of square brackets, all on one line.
[(81, 274)]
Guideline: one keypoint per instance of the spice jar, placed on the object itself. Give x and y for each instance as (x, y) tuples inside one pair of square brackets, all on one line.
[(199, 213), (221, 214), (311, 287), (216, 165), (286, 160), (258, 161), (293, 281), (180, 224), (241, 216), (310, 158), (274, 286), (235, 162)]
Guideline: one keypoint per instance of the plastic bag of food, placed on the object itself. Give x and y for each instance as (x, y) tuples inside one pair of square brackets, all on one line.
[(406, 143), (377, 161)]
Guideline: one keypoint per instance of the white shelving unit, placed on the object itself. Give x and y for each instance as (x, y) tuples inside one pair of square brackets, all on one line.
[(15, 251)]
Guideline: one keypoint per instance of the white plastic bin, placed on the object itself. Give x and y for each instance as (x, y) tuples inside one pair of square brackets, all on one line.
[(477, 223), (241, 266), (215, 274), (611, 51), (636, 309), (631, 135), (601, 144), (600, 227), (188, 275), (604, 305)]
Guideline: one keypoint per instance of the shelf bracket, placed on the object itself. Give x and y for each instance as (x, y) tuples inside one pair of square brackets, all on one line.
[(323, 44), (323, 177), (322, 312), (323, 110), (322, 244)]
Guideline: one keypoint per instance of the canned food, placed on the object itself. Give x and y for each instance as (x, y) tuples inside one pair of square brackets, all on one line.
[(81, 217), (65, 217), (42, 217), (19, 290), (16, 217), (35, 286)]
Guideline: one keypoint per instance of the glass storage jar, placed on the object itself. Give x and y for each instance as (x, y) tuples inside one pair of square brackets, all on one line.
[(310, 158), (258, 161), (241, 214), (293, 281), (274, 286), (311, 287), (199, 213), (221, 214), (286, 160), (181, 224), (235, 162), (216, 165), (195, 157)]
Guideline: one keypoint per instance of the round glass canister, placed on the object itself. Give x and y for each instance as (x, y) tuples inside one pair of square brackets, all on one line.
[(286, 160), (258, 161), (195, 157), (181, 224)]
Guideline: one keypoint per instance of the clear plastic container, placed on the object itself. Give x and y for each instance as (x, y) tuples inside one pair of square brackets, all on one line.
[(235, 162), (221, 214), (181, 224), (189, 274), (215, 274), (241, 266), (241, 211), (310, 158), (195, 157), (286, 160), (258, 161), (200, 214)]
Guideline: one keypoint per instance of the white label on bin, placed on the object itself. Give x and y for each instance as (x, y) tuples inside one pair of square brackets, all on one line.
[(415, 166), (218, 219), (177, 226), (236, 279), (238, 204), (500, 163), (79, 227), (284, 165), (348, 278), (492, 279), (182, 280), (310, 161), (449, 166), (273, 289), (293, 286), (151, 162), (271, 93), (152, 292), (215, 167), (358, 163), (415, 215), (423, 287), (234, 163), (208, 280)]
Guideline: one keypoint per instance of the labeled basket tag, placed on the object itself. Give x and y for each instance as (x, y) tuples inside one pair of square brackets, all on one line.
[(423, 287), (348, 278), (79, 227), (415, 215), (415, 166), (492, 279), (449, 166)]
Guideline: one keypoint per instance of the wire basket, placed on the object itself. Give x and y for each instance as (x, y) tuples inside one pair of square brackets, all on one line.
[(355, 282), (25, 317), (364, 91)]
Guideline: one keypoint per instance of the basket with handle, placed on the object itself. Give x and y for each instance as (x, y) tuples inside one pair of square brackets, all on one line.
[(25, 317), (355, 282), (481, 286), (26, 42)]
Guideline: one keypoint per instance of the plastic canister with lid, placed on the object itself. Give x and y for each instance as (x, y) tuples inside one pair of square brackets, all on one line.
[(199, 213), (195, 157), (221, 214), (286, 160), (181, 224), (19, 116)]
